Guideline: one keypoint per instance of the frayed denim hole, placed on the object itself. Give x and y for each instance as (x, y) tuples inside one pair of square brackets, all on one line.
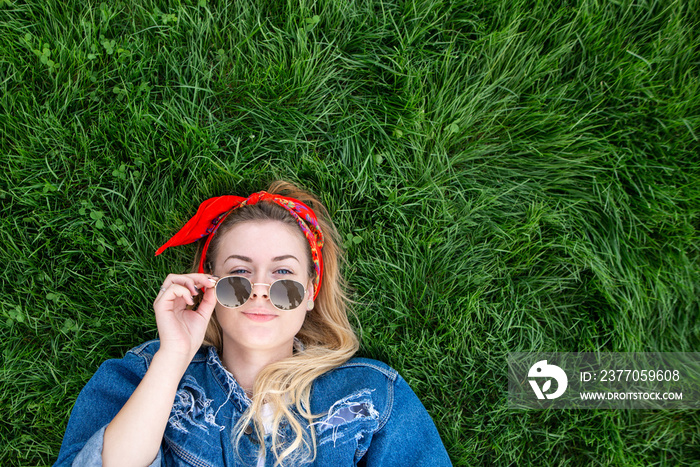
[(357, 406), (192, 408)]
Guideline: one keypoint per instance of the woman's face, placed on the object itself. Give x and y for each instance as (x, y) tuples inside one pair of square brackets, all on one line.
[(263, 252)]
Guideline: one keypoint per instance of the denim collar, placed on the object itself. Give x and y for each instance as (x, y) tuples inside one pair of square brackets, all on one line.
[(227, 382)]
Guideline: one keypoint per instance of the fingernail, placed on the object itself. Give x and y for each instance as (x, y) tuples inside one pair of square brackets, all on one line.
[(212, 280)]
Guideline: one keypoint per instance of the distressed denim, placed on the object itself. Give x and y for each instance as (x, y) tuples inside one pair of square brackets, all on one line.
[(370, 416)]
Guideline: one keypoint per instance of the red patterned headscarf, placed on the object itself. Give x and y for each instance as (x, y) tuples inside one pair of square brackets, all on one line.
[(212, 212)]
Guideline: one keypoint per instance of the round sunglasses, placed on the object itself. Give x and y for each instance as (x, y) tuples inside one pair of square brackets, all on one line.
[(234, 291)]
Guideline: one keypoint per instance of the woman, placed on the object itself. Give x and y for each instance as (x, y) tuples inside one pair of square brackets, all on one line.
[(253, 365)]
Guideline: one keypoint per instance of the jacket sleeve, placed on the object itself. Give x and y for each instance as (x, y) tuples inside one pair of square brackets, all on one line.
[(408, 437), (98, 403)]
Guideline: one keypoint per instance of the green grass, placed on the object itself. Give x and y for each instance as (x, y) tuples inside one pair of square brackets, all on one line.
[(522, 176)]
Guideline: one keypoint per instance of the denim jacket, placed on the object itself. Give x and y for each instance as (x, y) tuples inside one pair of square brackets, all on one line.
[(370, 416)]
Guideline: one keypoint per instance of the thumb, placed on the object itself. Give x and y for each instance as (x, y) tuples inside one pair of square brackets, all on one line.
[(206, 306)]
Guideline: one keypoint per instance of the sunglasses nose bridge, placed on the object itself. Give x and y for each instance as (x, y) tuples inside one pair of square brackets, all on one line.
[(265, 288)]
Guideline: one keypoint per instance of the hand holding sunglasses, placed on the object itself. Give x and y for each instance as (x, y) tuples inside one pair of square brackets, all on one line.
[(183, 308)]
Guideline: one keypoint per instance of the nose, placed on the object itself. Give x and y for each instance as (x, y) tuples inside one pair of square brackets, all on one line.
[(261, 287)]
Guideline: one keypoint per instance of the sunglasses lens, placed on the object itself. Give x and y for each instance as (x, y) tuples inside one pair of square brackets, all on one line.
[(286, 294), (233, 291)]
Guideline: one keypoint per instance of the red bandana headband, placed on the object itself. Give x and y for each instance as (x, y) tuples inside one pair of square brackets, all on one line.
[(212, 212)]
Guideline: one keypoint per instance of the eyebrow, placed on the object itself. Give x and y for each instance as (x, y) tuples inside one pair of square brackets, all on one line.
[(249, 260), (283, 257), (242, 258)]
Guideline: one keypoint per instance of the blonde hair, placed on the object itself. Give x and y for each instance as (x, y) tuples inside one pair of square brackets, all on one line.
[(328, 338)]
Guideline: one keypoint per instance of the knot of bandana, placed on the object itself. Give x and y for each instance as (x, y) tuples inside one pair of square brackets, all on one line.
[(212, 213)]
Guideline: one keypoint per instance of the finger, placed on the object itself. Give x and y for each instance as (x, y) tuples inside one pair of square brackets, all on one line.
[(209, 299), (204, 281), (188, 282), (169, 280), (194, 282), (160, 295), (206, 305), (172, 293)]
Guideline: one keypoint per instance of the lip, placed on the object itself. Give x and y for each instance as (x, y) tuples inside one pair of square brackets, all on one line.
[(259, 316)]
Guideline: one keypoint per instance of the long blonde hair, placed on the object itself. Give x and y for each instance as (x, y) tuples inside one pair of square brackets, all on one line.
[(327, 338)]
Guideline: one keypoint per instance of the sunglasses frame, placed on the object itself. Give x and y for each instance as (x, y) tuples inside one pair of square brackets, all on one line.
[(253, 284)]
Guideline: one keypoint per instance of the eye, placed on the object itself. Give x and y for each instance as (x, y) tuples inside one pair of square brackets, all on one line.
[(283, 271), (238, 272)]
